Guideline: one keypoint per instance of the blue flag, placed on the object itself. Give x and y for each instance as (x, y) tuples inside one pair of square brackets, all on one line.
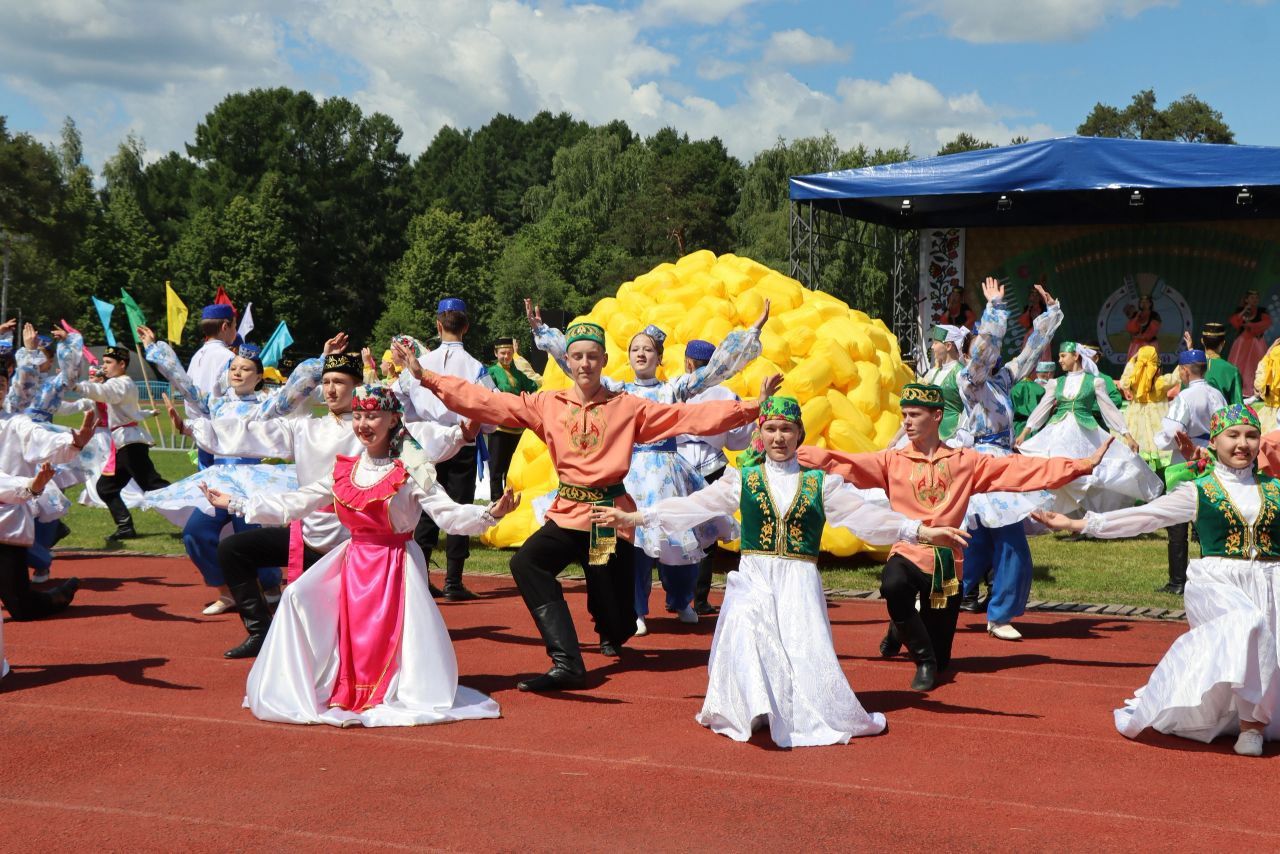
[(279, 341), (104, 314)]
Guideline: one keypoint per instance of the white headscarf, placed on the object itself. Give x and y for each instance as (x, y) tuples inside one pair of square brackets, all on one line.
[(1087, 356), (955, 334)]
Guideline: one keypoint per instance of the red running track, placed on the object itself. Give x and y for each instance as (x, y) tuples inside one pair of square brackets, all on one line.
[(122, 729)]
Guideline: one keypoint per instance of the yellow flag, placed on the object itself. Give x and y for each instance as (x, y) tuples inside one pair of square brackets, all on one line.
[(177, 313)]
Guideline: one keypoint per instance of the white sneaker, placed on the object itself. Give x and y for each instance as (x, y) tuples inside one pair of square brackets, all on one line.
[(40, 577), (221, 605), (687, 615), (1003, 631), (1249, 743), (641, 628)]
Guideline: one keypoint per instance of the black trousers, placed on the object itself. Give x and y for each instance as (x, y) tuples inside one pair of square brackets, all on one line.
[(457, 476), (242, 555), (611, 597), (702, 587), (133, 462), (22, 602), (900, 583), (502, 447), (1178, 548)]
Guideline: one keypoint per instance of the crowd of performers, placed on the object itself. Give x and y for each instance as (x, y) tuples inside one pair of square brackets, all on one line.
[(318, 530)]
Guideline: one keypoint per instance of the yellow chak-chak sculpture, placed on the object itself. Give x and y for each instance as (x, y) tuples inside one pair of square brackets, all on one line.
[(844, 367)]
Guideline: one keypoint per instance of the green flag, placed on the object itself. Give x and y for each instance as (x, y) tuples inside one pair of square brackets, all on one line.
[(136, 317)]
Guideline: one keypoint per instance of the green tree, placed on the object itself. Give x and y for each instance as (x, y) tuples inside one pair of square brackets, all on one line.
[(1187, 119), (447, 256), (964, 142)]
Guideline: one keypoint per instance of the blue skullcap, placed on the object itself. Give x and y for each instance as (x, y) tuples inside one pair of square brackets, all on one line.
[(699, 350), (1192, 357), (653, 332), (249, 351), (451, 304), (44, 340), (217, 311)]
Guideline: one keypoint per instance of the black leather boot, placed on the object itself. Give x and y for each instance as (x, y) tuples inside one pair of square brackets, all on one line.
[(920, 647), (60, 597), (890, 644), (454, 589), (1178, 549), (567, 672), (972, 602), (255, 615)]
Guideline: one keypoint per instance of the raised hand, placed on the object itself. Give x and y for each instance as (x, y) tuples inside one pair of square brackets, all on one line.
[(763, 318), (366, 356), (1131, 443), (533, 314), (943, 535), (42, 478), (769, 387), (335, 345), (174, 418), (84, 433), (992, 290), (221, 500), (9, 325), (1187, 344), (30, 338), (1058, 522), (1044, 295), (1095, 459), (146, 336), (470, 429), (58, 333), (615, 517), (509, 501), (407, 358)]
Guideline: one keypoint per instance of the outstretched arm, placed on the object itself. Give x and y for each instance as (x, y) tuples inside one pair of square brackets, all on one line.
[(737, 351), (1174, 508), (552, 342), (864, 470), (161, 355), (279, 508), (984, 352), (1042, 332), (1017, 473)]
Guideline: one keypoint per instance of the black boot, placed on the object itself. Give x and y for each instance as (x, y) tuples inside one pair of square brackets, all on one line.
[(890, 644), (916, 638), (255, 615), (1178, 549), (567, 672), (454, 589), (970, 602), (609, 649), (60, 597)]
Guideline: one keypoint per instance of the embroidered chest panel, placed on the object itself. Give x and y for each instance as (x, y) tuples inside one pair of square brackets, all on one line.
[(797, 533), (585, 426), (1222, 528), (931, 482)]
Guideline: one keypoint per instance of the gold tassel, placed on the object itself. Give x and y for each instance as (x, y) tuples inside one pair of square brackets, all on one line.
[(602, 548)]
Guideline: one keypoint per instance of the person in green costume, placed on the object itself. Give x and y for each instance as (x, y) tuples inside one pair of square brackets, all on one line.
[(1221, 374), (946, 349), (1026, 394), (1221, 676), (509, 377), (772, 659)]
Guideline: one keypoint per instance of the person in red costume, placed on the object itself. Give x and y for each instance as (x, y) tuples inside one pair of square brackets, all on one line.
[(1143, 326), (1249, 347)]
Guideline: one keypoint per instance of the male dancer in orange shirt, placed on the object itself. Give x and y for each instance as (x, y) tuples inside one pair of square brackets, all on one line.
[(929, 481)]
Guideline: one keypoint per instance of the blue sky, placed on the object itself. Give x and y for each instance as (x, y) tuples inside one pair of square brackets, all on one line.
[(748, 71)]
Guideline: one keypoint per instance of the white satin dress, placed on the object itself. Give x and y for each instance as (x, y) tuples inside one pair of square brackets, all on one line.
[(1225, 667), (772, 657)]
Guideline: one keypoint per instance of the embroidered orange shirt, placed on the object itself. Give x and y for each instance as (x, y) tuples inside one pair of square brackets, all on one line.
[(590, 445), (937, 491)]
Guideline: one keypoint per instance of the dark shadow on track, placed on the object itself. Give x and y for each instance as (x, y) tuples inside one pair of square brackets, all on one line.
[(895, 701), (132, 672), (109, 585), (149, 611)]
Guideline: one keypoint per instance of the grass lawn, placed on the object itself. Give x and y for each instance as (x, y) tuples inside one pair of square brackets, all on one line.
[(1119, 572)]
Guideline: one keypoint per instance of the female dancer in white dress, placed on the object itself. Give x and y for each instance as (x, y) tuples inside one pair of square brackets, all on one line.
[(772, 658), (1070, 430), (657, 470), (1222, 676), (357, 639)]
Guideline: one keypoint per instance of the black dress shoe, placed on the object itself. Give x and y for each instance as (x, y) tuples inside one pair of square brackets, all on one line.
[(124, 532), (436, 592), (250, 648), (1171, 587), (970, 603), (608, 650), (890, 644), (458, 594), (64, 593), (555, 679), (705, 609), (926, 676)]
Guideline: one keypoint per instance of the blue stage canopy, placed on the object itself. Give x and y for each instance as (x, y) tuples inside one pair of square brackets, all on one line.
[(1072, 180)]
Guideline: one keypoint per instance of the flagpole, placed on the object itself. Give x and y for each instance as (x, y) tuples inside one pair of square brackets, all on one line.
[(146, 379)]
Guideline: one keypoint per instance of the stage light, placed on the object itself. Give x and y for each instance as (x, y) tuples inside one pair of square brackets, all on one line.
[(1004, 203), (905, 210), (1135, 199), (1244, 197)]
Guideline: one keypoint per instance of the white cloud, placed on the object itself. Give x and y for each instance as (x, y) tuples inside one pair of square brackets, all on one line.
[(665, 12), (1002, 21), (797, 47), (120, 65)]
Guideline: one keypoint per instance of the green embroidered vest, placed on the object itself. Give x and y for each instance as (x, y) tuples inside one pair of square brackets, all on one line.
[(795, 534), (952, 405), (1223, 531), (1080, 406)]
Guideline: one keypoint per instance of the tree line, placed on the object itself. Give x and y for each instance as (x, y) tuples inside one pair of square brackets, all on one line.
[(311, 210)]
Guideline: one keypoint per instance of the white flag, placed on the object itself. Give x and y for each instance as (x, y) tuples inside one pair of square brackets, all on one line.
[(246, 322)]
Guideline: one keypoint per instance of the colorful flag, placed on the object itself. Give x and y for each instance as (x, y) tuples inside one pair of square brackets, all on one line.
[(88, 355), (104, 314), (276, 345), (221, 297), (246, 322), (177, 312), (136, 317)]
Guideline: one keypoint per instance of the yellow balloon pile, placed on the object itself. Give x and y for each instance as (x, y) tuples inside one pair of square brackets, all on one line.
[(844, 367)]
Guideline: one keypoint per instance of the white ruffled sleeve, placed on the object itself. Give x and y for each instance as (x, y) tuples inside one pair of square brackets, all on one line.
[(235, 437), (438, 441), (869, 522), (1110, 414), (678, 514), (14, 490), (1173, 508), (282, 508), (1040, 415), (451, 517)]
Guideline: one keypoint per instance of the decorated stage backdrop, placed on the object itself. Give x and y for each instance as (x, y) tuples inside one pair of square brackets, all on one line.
[(1194, 273)]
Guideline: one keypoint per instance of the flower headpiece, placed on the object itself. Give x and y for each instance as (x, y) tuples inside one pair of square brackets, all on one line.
[(775, 408), (1233, 416), (375, 398)]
